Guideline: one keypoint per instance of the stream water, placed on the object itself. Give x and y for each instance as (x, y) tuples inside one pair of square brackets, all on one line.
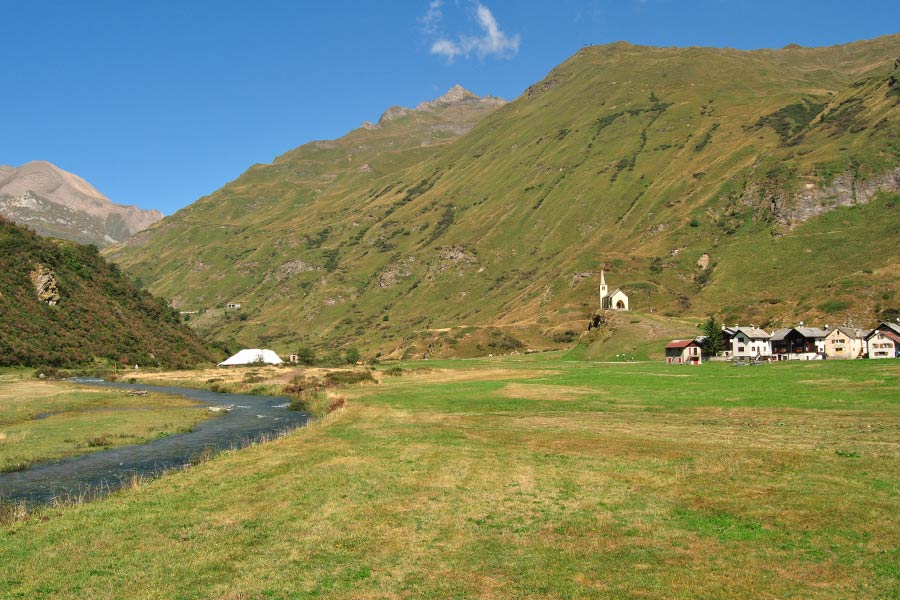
[(252, 418)]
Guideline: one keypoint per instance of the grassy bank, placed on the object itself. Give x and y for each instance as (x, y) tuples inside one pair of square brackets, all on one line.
[(46, 420), (512, 479)]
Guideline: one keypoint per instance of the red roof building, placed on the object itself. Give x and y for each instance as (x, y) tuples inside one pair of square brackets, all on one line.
[(684, 352)]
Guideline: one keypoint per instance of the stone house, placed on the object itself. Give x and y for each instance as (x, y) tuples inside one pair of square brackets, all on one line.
[(846, 342)]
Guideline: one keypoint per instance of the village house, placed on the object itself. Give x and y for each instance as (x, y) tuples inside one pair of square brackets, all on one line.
[(846, 342), (233, 305), (799, 343), (747, 343), (684, 352), (618, 300), (887, 326), (884, 341)]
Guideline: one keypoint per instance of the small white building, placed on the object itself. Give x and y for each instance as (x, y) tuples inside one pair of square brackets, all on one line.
[(618, 300), (233, 305)]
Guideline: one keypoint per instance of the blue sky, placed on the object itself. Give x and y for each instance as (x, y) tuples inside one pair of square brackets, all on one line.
[(159, 103)]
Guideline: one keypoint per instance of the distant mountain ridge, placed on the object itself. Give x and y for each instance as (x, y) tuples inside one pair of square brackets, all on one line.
[(56, 203)]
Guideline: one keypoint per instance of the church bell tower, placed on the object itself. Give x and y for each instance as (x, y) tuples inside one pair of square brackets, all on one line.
[(604, 291)]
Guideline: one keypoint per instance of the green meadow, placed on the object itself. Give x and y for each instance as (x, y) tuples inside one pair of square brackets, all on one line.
[(518, 477), (47, 420)]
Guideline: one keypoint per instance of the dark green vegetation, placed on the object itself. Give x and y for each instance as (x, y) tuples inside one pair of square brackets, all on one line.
[(517, 479), (99, 313), (48, 420), (638, 160)]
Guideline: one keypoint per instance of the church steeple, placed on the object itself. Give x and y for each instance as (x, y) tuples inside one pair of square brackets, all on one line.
[(604, 291)]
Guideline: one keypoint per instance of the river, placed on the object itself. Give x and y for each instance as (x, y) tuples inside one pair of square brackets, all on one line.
[(252, 418)]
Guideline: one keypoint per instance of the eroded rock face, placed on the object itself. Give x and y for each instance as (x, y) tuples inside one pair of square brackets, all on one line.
[(45, 285), (397, 271), (813, 200)]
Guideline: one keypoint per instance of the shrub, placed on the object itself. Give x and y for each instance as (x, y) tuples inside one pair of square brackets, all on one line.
[(311, 401), (394, 372), (252, 377), (352, 356), (48, 373), (302, 383), (306, 356), (565, 337), (335, 378)]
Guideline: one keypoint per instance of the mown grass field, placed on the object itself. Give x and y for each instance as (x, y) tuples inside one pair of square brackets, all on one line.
[(47, 420), (515, 478)]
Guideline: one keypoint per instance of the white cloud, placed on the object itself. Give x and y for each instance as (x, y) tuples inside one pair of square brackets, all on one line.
[(445, 47), (491, 41), (431, 21)]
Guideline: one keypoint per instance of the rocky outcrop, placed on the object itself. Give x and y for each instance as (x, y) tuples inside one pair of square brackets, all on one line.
[(397, 271), (813, 200), (394, 112), (456, 96), (292, 268), (45, 285), (703, 261)]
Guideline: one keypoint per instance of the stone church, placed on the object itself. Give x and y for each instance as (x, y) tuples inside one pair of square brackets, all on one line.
[(618, 300)]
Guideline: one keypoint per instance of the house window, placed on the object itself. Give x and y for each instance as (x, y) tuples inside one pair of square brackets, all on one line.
[(740, 348)]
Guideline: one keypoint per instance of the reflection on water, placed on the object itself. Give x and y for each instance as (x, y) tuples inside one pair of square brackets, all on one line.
[(251, 418)]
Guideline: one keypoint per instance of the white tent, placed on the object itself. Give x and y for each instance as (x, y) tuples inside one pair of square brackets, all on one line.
[(252, 356)]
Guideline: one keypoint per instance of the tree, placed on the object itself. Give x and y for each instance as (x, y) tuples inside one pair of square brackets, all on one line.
[(713, 343), (351, 355), (306, 356)]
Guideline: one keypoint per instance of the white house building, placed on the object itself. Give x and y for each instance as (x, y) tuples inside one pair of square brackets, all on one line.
[(748, 343), (618, 300), (884, 342)]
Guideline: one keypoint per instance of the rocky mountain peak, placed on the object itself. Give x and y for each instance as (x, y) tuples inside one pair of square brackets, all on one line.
[(455, 95), (57, 203)]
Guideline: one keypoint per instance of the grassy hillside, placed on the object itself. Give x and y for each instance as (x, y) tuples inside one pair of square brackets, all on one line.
[(776, 168), (87, 309), (528, 478)]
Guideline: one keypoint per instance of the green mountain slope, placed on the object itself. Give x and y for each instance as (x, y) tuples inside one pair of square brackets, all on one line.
[(773, 169), (61, 304)]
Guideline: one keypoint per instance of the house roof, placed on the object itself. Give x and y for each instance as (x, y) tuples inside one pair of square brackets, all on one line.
[(807, 332), (681, 344), (888, 334), (754, 333), (811, 332), (852, 333), (779, 334), (892, 326)]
